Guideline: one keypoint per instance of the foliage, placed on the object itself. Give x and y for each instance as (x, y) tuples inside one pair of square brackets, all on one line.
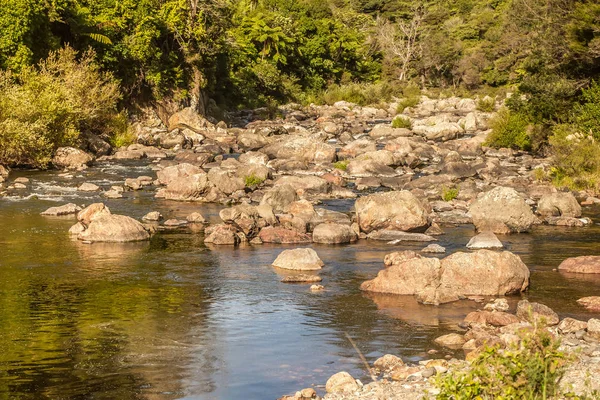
[(449, 193), (509, 129), (530, 369), (341, 165), (47, 107), (361, 94), (401, 122), (588, 114), (253, 180), (487, 104)]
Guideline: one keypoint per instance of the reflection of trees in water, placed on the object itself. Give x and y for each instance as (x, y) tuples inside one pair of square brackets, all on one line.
[(118, 323)]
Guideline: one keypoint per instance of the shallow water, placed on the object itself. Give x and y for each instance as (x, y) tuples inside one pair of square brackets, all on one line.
[(174, 318)]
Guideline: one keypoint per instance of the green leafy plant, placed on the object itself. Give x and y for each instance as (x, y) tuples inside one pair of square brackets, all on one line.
[(341, 165), (401, 122), (487, 104), (407, 102), (530, 369), (449, 193), (253, 180), (509, 129)]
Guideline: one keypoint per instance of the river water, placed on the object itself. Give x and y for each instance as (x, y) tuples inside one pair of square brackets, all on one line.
[(175, 319)]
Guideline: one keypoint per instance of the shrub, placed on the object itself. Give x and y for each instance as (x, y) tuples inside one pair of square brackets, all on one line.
[(253, 180), (449, 194), (407, 102), (588, 114), (401, 122), (47, 107), (341, 165), (509, 129), (362, 94), (576, 158), (528, 370), (487, 104)]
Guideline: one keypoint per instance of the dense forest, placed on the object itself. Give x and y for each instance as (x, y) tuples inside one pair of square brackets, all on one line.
[(71, 66)]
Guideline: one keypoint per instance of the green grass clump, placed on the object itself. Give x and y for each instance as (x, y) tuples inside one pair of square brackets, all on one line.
[(487, 104), (449, 194), (341, 165), (509, 129), (253, 180), (401, 122), (530, 369), (407, 102)]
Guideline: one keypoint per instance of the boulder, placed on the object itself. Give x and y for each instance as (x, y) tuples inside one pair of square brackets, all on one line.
[(196, 218), (399, 257), (387, 363), (593, 327), (190, 188), (226, 181), (571, 325), (254, 157), (222, 235), (88, 214), (395, 237), (581, 265), (188, 118), (88, 187), (304, 259), (114, 228), (301, 148), (282, 235), (4, 171), (66, 209), (592, 303), (494, 318), (502, 210), (398, 210), (559, 205), (485, 240), (434, 248), (280, 197), (368, 167), (304, 184), (342, 382), (536, 313), (451, 341), (331, 233), (183, 170), (71, 158), (302, 278), (152, 216), (435, 281)]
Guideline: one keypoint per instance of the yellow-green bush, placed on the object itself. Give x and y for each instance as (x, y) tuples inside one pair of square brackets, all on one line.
[(401, 122), (46, 107), (362, 94), (509, 129)]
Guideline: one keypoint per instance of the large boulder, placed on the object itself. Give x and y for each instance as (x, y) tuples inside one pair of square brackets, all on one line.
[(559, 205), (114, 228), (188, 118), (435, 281), (183, 170), (399, 210), (536, 313), (581, 265), (305, 259), (592, 303), (331, 233), (485, 240), (305, 184), (301, 148), (342, 382), (226, 181), (280, 197), (369, 167), (189, 188), (71, 158), (502, 210)]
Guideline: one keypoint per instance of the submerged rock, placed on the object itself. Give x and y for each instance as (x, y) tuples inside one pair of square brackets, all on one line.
[(581, 265), (304, 259), (66, 209), (302, 278), (592, 303)]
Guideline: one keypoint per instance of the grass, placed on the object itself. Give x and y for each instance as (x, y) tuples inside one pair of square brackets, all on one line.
[(253, 180), (341, 165), (401, 122), (449, 194)]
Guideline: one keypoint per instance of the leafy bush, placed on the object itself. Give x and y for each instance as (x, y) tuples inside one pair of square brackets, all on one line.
[(449, 194), (576, 158), (341, 165), (509, 129), (401, 122), (528, 370), (47, 107), (362, 94), (253, 180), (588, 113), (487, 104)]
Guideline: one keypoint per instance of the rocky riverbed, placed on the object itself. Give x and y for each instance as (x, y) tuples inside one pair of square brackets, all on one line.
[(273, 183)]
